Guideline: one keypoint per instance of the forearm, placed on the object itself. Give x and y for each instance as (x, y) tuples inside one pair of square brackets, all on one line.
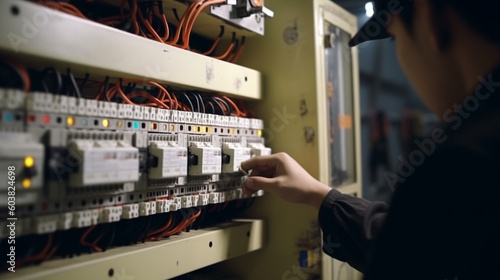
[(350, 225)]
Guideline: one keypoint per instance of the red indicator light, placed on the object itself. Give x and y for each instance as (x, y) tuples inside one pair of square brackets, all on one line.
[(31, 118), (46, 119)]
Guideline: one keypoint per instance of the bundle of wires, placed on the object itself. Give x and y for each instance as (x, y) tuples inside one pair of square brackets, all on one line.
[(147, 19), (14, 74)]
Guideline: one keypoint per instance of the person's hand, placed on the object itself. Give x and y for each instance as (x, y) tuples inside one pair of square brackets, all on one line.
[(282, 176)]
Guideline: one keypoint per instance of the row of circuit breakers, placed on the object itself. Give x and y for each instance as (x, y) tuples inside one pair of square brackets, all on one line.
[(80, 162)]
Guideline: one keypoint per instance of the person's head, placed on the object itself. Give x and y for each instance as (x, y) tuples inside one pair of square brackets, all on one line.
[(442, 45)]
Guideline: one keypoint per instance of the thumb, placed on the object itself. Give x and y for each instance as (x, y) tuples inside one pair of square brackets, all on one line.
[(256, 183)]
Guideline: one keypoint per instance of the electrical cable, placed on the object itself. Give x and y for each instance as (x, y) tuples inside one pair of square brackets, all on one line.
[(84, 82), (216, 41), (222, 111), (41, 255), (201, 101), (21, 71), (236, 55), (229, 48), (158, 10), (189, 101), (57, 79), (181, 23), (73, 82), (198, 106), (212, 105), (193, 16)]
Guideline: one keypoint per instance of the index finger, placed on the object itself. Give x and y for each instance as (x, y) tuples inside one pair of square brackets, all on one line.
[(270, 161)]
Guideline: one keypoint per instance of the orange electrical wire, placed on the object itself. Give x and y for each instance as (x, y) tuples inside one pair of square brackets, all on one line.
[(51, 253), (234, 57), (163, 92), (160, 103), (192, 18), (40, 256), (212, 48), (84, 235), (64, 7), (183, 20), (239, 113), (227, 52), (22, 71), (148, 96), (150, 28), (182, 225), (133, 17), (189, 16), (150, 236), (163, 19)]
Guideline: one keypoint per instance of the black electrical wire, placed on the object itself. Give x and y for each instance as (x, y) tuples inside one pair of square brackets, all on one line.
[(57, 79), (202, 103), (220, 106), (198, 109), (176, 15), (229, 111), (129, 88), (84, 82), (188, 100), (106, 86), (111, 239), (212, 105), (73, 82)]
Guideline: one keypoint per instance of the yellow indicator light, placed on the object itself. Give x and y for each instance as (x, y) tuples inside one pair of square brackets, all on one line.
[(119, 124), (26, 183), (29, 161), (105, 123), (259, 132), (70, 121), (172, 127)]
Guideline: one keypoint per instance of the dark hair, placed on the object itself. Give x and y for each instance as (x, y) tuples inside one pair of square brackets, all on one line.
[(480, 15)]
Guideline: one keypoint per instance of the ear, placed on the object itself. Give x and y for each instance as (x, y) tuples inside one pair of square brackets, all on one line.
[(434, 21)]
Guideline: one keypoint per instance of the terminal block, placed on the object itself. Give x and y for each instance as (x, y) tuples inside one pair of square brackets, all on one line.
[(205, 159), (259, 149), (103, 162), (232, 156), (169, 160)]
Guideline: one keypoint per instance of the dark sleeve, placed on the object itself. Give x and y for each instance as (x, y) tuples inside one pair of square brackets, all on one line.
[(443, 223), (350, 225)]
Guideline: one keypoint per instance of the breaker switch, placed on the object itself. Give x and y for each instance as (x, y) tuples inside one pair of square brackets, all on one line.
[(226, 159), (193, 160)]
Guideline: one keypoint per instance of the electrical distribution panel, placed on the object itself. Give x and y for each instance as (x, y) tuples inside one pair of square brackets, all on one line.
[(111, 139)]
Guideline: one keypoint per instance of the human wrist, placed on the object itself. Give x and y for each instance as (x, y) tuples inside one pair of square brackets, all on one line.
[(318, 194)]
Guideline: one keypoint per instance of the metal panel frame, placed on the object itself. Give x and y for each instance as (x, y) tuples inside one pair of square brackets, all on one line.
[(37, 34), (331, 12), (164, 259)]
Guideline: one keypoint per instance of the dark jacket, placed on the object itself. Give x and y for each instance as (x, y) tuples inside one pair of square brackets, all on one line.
[(443, 221)]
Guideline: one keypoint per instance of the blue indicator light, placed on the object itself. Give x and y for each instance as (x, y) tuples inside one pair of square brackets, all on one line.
[(136, 125), (8, 117), (85, 122)]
